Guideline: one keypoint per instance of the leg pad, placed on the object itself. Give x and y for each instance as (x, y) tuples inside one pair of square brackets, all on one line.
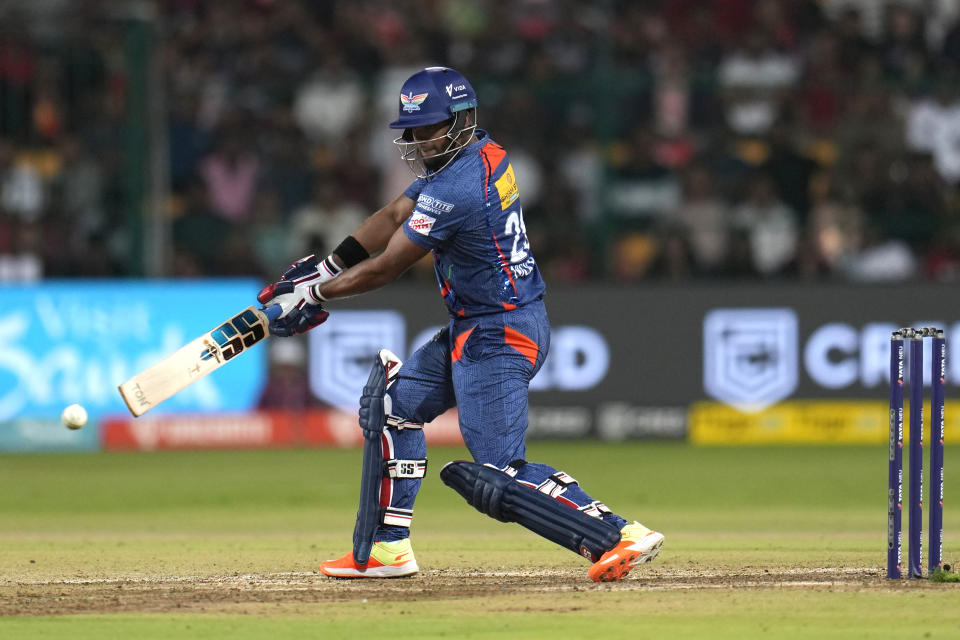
[(493, 492), (372, 420)]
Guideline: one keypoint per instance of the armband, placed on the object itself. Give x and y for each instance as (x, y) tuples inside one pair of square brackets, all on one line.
[(351, 252)]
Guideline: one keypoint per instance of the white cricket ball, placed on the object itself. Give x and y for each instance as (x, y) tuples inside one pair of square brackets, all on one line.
[(74, 416)]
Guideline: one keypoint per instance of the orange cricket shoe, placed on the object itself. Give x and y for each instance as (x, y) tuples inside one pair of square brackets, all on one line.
[(387, 560), (637, 545)]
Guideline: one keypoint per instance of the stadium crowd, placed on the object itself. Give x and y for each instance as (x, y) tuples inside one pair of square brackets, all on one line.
[(669, 139)]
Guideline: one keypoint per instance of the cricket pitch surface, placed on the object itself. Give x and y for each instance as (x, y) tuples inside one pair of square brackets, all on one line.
[(166, 594)]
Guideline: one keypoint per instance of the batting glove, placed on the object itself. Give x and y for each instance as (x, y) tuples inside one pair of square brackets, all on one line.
[(299, 319), (302, 310)]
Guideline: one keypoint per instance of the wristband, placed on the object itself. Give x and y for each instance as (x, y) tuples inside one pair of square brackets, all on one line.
[(330, 266), (315, 294), (351, 252)]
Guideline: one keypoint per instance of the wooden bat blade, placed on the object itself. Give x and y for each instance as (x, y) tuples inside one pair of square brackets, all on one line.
[(196, 359)]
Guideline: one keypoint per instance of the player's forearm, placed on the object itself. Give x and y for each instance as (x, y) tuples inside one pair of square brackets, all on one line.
[(368, 275), (376, 231), (400, 254)]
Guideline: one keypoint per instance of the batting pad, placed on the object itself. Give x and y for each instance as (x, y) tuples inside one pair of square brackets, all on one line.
[(493, 492), (372, 419)]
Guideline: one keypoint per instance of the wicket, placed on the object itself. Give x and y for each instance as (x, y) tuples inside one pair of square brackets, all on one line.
[(895, 486)]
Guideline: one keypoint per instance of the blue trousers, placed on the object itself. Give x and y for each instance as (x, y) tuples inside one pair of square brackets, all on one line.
[(482, 366)]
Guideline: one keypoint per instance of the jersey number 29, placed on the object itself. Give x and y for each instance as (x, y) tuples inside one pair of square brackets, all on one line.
[(516, 228)]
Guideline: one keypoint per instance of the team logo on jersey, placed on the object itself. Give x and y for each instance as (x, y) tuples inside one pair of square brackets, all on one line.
[(507, 188), (433, 205), (421, 223), (412, 102)]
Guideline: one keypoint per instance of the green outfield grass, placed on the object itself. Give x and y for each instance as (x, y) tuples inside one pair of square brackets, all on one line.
[(113, 516)]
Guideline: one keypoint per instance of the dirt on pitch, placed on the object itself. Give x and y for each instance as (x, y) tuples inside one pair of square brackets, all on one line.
[(168, 594)]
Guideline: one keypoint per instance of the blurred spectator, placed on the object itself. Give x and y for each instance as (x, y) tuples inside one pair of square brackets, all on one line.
[(21, 258), (81, 185), (187, 140), (641, 187), (319, 225), (943, 260), (288, 386), (270, 233), (866, 175), (633, 256), (197, 235), (330, 103), (673, 260), (704, 218), (854, 43), (933, 126), (880, 261), (17, 67), (230, 174), (904, 46), (823, 83), (755, 79), (912, 212), (552, 223), (671, 92), (580, 165), (950, 47), (769, 226), (789, 169), (21, 188), (834, 232)]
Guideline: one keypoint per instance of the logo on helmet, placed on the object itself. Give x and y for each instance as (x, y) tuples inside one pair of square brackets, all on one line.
[(460, 87), (412, 102)]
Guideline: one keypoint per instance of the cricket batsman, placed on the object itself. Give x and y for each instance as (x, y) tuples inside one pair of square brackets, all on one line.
[(465, 208)]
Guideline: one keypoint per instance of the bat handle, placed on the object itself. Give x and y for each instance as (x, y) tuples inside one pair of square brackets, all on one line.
[(273, 312)]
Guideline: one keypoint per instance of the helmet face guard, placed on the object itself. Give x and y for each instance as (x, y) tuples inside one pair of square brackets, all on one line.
[(457, 135), (430, 97)]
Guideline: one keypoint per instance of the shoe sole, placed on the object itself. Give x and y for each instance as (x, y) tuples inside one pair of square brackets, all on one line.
[(405, 570), (632, 558)]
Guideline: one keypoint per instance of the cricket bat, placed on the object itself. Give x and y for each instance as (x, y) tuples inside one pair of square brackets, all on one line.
[(198, 358)]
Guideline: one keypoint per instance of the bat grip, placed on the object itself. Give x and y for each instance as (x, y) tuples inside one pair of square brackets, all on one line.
[(273, 312)]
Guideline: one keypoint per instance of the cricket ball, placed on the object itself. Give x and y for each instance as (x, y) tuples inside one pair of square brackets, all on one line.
[(74, 416)]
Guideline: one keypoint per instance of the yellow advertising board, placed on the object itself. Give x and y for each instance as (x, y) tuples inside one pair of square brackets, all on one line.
[(805, 422)]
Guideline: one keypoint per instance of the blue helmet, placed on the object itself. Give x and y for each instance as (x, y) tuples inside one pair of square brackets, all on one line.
[(430, 97), (433, 95)]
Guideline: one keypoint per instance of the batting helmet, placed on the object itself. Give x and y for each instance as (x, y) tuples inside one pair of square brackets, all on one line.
[(431, 96)]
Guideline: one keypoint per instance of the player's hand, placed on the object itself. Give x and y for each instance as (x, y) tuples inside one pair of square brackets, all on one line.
[(300, 311), (299, 319), (311, 269), (293, 295), (302, 274)]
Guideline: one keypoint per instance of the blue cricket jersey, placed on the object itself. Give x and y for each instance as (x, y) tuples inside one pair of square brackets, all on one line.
[(470, 216)]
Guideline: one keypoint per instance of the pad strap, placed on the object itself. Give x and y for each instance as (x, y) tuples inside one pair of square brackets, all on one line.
[(396, 517), (400, 424), (556, 484), (513, 468), (405, 468), (595, 509)]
